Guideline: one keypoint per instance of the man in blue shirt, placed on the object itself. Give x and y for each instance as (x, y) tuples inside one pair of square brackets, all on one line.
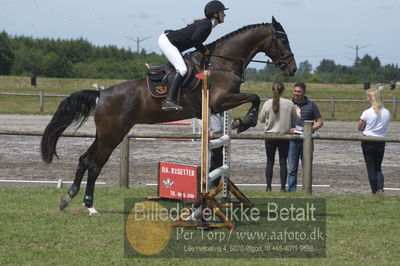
[(308, 111)]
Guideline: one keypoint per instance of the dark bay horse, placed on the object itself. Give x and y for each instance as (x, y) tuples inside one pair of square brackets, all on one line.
[(120, 107)]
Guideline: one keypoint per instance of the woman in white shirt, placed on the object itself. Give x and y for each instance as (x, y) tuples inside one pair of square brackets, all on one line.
[(278, 114), (374, 122)]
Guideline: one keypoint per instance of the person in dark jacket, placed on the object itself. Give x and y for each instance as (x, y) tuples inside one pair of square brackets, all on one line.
[(173, 42), (308, 111)]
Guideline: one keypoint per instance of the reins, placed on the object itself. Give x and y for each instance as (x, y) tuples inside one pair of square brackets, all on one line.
[(241, 61), (280, 62), (244, 62)]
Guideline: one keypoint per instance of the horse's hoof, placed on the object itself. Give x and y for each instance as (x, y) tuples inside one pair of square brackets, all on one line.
[(242, 128), (93, 211), (236, 123), (246, 123), (63, 203)]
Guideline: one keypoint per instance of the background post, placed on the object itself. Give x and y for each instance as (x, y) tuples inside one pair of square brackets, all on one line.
[(307, 156), (124, 163), (41, 100)]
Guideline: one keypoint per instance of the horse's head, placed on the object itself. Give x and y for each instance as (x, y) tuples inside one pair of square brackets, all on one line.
[(278, 49)]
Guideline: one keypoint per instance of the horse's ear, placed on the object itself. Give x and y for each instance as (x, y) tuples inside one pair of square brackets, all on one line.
[(274, 22), (276, 25)]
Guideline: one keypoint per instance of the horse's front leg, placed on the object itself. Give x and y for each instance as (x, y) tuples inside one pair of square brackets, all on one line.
[(235, 99), (250, 119)]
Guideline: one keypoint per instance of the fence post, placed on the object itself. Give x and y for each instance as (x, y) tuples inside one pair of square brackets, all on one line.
[(333, 110), (394, 107), (307, 156), (41, 100), (124, 163)]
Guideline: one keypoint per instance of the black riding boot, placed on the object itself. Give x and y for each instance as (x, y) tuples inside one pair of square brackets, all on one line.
[(169, 103)]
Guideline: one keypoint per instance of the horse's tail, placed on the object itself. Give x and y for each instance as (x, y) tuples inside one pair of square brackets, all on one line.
[(74, 109)]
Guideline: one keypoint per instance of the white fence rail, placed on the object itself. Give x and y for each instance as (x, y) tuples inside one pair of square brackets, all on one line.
[(333, 101)]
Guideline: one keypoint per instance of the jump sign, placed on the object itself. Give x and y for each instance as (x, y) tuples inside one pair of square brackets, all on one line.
[(178, 181)]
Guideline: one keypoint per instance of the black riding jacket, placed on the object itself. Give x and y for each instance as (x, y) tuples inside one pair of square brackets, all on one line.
[(192, 35)]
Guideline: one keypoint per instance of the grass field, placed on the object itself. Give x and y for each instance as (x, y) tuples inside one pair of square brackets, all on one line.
[(361, 230), (30, 104)]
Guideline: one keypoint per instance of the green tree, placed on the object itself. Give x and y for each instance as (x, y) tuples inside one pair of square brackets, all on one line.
[(347, 79), (77, 50), (29, 61), (305, 67), (314, 78), (304, 71), (6, 54), (58, 66), (327, 66)]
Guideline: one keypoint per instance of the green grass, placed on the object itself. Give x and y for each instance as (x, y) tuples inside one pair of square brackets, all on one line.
[(30, 104), (361, 230)]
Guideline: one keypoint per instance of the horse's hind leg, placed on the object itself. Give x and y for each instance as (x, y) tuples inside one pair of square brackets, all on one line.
[(83, 165), (100, 158)]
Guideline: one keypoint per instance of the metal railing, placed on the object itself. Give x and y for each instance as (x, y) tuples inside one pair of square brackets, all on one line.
[(307, 150)]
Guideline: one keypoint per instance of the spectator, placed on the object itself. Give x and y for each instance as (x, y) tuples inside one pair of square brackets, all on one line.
[(374, 122), (278, 114), (216, 126), (309, 111)]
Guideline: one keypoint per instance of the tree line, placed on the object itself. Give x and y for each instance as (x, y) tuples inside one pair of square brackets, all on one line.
[(26, 56), (365, 69), (78, 58)]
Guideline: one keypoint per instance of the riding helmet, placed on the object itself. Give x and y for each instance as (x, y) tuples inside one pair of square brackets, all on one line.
[(214, 7)]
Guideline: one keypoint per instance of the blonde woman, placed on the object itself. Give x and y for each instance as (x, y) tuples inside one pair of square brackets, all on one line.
[(278, 114), (374, 122)]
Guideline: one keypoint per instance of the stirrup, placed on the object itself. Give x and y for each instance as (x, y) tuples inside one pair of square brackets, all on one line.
[(170, 106)]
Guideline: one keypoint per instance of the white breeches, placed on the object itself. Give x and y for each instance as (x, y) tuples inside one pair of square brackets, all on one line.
[(172, 53)]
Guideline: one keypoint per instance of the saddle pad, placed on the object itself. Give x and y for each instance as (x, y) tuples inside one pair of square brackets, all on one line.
[(158, 88)]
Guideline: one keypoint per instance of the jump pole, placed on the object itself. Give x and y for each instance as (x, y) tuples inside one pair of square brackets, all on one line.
[(226, 185), (205, 201), (205, 114)]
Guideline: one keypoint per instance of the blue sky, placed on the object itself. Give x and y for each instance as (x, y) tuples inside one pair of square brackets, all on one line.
[(317, 29)]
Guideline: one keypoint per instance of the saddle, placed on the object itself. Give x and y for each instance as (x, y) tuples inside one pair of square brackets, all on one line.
[(158, 78)]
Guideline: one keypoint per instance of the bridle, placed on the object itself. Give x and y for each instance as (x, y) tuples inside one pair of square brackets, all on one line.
[(279, 62)]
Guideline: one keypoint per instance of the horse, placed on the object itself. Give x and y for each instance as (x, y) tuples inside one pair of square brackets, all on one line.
[(118, 108)]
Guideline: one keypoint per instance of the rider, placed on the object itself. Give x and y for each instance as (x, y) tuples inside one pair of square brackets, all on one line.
[(173, 42)]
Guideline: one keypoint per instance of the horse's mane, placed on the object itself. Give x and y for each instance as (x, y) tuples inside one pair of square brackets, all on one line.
[(236, 32)]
